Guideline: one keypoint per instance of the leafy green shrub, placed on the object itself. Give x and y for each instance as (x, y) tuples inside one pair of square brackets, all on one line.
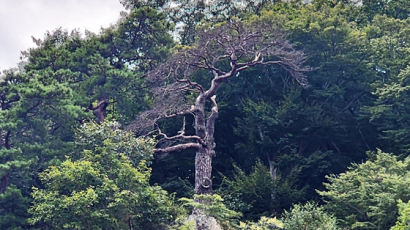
[(308, 217), (403, 222), (366, 196), (111, 137), (13, 214), (202, 207), (102, 189), (211, 205), (258, 194), (264, 223)]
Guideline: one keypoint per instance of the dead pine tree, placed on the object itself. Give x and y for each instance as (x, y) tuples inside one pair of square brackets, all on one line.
[(219, 53)]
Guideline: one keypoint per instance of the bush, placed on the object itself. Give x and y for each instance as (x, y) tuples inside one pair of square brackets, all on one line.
[(308, 217), (366, 196), (264, 223), (103, 189), (403, 222), (258, 194), (212, 205)]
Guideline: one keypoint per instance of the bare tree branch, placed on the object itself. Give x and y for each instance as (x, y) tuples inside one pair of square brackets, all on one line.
[(181, 135), (220, 52), (178, 147)]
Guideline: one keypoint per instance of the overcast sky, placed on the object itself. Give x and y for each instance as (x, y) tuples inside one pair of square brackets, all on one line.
[(21, 19)]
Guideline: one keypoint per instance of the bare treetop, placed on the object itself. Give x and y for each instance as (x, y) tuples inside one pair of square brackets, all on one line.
[(222, 51), (243, 45)]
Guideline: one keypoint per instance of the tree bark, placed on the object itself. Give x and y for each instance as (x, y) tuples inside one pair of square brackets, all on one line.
[(203, 160), (99, 110), (203, 172)]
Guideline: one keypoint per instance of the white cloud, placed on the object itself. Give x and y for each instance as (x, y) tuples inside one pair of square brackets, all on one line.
[(21, 19)]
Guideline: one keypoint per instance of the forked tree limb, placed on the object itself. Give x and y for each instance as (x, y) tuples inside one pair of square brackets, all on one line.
[(180, 136), (178, 147)]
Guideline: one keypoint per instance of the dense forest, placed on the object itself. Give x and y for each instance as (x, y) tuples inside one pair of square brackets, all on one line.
[(220, 114)]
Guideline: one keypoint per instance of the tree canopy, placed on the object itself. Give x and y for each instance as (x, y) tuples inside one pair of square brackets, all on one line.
[(276, 114)]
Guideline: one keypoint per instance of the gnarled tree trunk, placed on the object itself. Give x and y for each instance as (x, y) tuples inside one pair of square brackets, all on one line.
[(204, 129)]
